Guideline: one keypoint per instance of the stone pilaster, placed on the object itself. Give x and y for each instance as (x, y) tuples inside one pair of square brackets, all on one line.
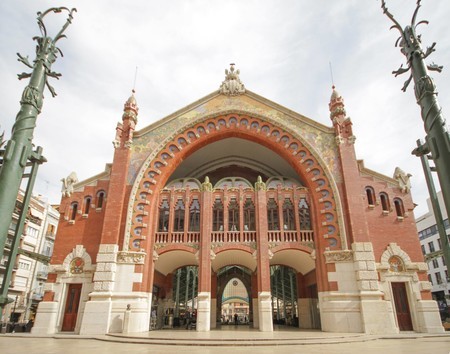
[(204, 286), (263, 261), (204, 312), (265, 311), (104, 275), (365, 267), (376, 314), (97, 312)]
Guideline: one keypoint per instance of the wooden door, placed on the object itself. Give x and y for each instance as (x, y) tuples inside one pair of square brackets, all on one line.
[(71, 311), (402, 307)]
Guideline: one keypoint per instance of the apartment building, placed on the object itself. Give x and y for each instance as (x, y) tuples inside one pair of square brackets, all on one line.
[(29, 275)]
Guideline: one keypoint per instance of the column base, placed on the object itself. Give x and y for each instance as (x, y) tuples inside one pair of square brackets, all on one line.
[(265, 311), (378, 317), (204, 312), (428, 318), (96, 318), (46, 318)]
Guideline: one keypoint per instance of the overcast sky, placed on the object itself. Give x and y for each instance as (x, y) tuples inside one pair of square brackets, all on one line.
[(282, 47)]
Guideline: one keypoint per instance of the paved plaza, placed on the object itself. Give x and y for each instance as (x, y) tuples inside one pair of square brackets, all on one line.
[(225, 341)]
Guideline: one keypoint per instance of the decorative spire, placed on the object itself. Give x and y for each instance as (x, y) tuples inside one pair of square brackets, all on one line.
[(130, 108), (232, 86), (124, 130), (336, 105), (342, 124)]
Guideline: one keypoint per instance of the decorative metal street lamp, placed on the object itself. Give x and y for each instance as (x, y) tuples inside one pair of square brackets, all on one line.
[(437, 140), (19, 152)]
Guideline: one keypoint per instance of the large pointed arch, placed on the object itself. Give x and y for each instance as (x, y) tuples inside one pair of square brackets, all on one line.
[(163, 161)]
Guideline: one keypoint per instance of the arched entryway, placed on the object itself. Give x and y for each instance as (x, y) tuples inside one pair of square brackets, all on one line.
[(238, 184), (294, 287), (175, 289), (234, 306)]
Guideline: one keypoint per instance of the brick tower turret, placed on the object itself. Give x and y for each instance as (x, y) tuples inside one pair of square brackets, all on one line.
[(345, 140)]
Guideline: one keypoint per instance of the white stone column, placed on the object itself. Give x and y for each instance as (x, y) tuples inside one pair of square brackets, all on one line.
[(376, 313), (97, 313), (204, 312), (46, 318), (428, 318), (265, 311)]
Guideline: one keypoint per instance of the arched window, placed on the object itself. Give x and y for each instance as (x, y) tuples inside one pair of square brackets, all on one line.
[(73, 214), (233, 215), (385, 202), (87, 205), (370, 196), (272, 215), (249, 215), (194, 216), (100, 199), (399, 209), (288, 215), (163, 221), (304, 215), (218, 215), (178, 224)]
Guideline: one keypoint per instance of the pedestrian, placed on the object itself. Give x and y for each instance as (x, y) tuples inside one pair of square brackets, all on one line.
[(188, 318)]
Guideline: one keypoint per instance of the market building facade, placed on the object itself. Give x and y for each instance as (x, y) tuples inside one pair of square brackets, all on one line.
[(236, 188)]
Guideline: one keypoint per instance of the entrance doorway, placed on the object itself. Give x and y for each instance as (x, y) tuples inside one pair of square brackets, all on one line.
[(234, 306), (283, 284), (402, 306), (179, 309), (71, 310)]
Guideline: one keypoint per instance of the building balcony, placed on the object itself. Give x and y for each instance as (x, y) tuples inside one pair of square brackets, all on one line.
[(50, 235), (8, 243), (178, 237), (305, 237), (42, 275), (37, 297)]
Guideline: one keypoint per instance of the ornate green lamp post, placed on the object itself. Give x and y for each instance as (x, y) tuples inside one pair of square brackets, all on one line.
[(437, 140), (19, 149)]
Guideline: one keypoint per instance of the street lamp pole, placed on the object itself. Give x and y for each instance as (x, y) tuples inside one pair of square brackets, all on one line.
[(436, 210), (437, 139), (19, 149)]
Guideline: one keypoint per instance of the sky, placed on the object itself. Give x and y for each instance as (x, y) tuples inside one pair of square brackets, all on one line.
[(284, 50)]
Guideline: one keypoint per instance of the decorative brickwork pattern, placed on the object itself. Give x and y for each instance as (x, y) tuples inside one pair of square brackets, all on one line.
[(161, 163)]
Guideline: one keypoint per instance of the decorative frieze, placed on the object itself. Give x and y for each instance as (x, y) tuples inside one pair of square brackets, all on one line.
[(129, 257), (338, 256)]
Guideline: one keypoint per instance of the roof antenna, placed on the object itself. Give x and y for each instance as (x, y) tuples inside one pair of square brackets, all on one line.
[(331, 73), (134, 83)]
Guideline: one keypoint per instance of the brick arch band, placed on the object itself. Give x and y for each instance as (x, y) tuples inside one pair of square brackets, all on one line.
[(307, 163)]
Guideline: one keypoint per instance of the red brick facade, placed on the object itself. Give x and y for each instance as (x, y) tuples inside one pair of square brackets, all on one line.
[(342, 196)]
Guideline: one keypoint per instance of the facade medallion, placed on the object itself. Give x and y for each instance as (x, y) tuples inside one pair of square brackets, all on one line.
[(77, 266), (396, 264)]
